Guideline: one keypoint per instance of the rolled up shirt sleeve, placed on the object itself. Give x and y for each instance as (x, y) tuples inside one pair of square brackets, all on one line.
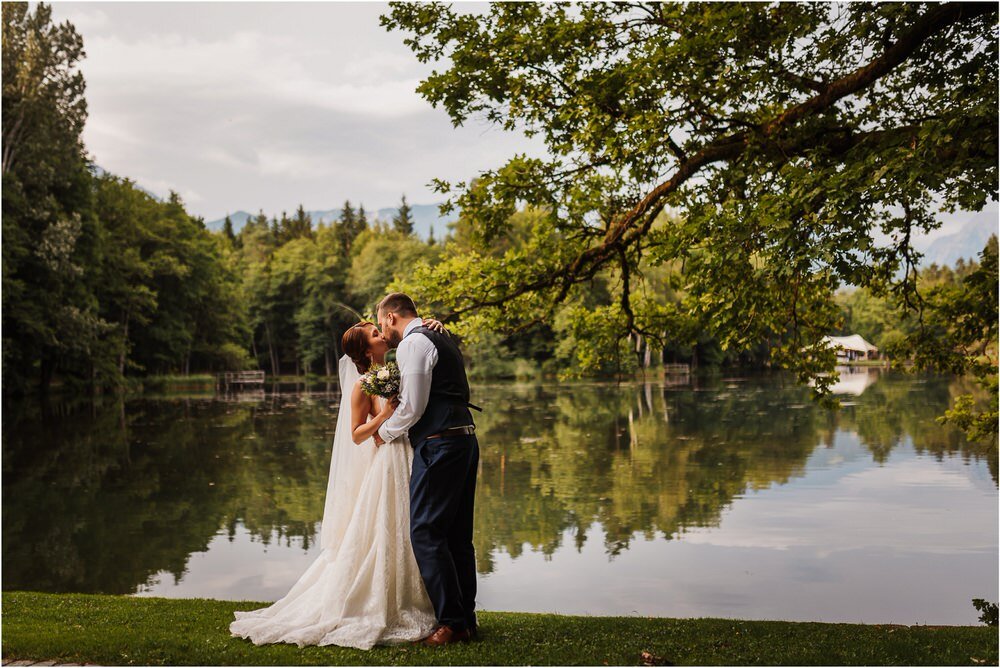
[(416, 357)]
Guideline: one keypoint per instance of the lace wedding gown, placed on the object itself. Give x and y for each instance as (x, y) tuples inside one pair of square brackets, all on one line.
[(364, 587)]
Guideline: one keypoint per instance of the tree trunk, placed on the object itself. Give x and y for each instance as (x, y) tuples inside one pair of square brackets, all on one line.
[(123, 352), (275, 370)]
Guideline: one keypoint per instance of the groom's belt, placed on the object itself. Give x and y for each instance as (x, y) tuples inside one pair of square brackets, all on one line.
[(454, 431)]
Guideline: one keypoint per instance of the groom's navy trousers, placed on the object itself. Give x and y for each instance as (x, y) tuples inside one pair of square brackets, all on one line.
[(442, 498)]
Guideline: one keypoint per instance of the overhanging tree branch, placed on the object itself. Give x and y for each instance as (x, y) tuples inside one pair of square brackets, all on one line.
[(627, 229)]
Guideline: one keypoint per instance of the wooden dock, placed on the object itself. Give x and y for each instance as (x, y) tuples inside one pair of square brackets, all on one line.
[(676, 369), (233, 380)]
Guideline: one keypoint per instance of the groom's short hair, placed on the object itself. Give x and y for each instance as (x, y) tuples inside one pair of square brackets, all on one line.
[(398, 303)]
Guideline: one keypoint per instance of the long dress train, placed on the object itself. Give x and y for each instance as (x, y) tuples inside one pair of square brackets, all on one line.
[(364, 587)]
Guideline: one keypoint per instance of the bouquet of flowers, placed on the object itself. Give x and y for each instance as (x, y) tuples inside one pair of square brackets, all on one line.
[(381, 380)]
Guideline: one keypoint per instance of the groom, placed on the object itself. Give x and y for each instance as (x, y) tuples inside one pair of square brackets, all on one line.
[(434, 409)]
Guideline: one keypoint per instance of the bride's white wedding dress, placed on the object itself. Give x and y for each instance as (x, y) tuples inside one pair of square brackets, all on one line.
[(364, 587)]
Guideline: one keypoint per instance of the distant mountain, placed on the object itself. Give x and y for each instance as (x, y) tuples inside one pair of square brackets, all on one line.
[(967, 243), (425, 216), (239, 219)]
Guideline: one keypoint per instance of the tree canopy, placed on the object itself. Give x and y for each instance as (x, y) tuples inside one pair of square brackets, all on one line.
[(797, 146)]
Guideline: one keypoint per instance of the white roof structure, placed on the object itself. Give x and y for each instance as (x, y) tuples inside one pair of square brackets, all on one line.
[(853, 342)]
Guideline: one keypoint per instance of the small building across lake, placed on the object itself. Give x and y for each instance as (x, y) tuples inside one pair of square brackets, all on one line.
[(850, 348)]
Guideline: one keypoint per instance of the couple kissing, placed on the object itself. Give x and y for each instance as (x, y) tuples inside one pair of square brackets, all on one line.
[(396, 561)]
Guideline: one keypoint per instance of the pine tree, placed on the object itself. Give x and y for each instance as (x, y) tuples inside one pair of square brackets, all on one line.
[(430, 238), (347, 216), (227, 230), (403, 220), (299, 226), (351, 224)]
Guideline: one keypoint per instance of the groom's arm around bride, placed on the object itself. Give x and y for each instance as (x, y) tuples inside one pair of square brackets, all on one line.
[(434, 411)]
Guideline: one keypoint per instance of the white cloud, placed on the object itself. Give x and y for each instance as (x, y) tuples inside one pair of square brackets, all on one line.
[(912, 502), (248, 66), (268, 105), (84, 18), (162, 188)]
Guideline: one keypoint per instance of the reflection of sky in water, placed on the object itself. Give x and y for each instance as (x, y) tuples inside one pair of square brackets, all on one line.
[(237, 569), (911, 540)]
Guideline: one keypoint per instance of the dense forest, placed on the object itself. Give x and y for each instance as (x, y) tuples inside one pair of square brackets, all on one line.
[(104, 283)]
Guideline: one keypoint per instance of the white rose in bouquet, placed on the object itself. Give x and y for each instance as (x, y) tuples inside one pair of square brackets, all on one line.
[(381, 380)]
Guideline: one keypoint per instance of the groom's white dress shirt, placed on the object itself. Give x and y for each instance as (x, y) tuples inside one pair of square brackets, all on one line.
[(416, 357)]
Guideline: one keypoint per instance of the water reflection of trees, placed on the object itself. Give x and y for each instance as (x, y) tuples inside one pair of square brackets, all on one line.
[(636, 459), (900, 407), (101, 497), (650, 460)]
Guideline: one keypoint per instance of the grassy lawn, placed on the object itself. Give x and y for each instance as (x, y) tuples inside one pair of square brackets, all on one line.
[(115, 630)]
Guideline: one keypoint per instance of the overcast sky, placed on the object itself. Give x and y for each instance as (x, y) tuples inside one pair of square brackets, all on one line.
[(241, 105), (261, 105)]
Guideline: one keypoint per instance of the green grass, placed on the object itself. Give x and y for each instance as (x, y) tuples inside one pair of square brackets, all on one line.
[(116, 630)]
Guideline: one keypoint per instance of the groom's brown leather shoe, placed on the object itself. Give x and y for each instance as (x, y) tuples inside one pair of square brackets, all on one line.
[(445, 635)]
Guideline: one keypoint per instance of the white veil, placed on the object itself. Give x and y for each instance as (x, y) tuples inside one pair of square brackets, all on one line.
[(348, 464)]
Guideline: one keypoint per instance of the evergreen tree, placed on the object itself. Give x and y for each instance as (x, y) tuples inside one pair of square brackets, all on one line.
[(350, 225), (403, 220), (255, 239), (297, 227), (430, 237), (347, 216), (227, 230), (277, 227)]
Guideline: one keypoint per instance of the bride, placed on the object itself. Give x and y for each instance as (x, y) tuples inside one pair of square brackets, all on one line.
[(364, 587)]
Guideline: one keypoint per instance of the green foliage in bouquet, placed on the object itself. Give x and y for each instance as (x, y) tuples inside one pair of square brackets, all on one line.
[(381, 380)]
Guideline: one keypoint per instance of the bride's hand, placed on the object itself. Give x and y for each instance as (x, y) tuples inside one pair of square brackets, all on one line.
[(435, 325), (389, 407)]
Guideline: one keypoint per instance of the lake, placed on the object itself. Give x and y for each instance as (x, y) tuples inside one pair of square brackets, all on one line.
[(720, 496)]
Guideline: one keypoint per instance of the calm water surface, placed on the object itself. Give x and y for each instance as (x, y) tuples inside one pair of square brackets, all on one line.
[(720, 497)]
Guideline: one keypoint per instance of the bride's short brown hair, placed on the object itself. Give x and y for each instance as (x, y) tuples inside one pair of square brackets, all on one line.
[(355, 344)]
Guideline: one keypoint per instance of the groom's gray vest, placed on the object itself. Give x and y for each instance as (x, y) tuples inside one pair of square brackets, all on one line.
[(448, 404)]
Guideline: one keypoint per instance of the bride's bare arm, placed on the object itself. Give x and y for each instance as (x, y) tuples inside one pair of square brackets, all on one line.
[(361, 406)]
